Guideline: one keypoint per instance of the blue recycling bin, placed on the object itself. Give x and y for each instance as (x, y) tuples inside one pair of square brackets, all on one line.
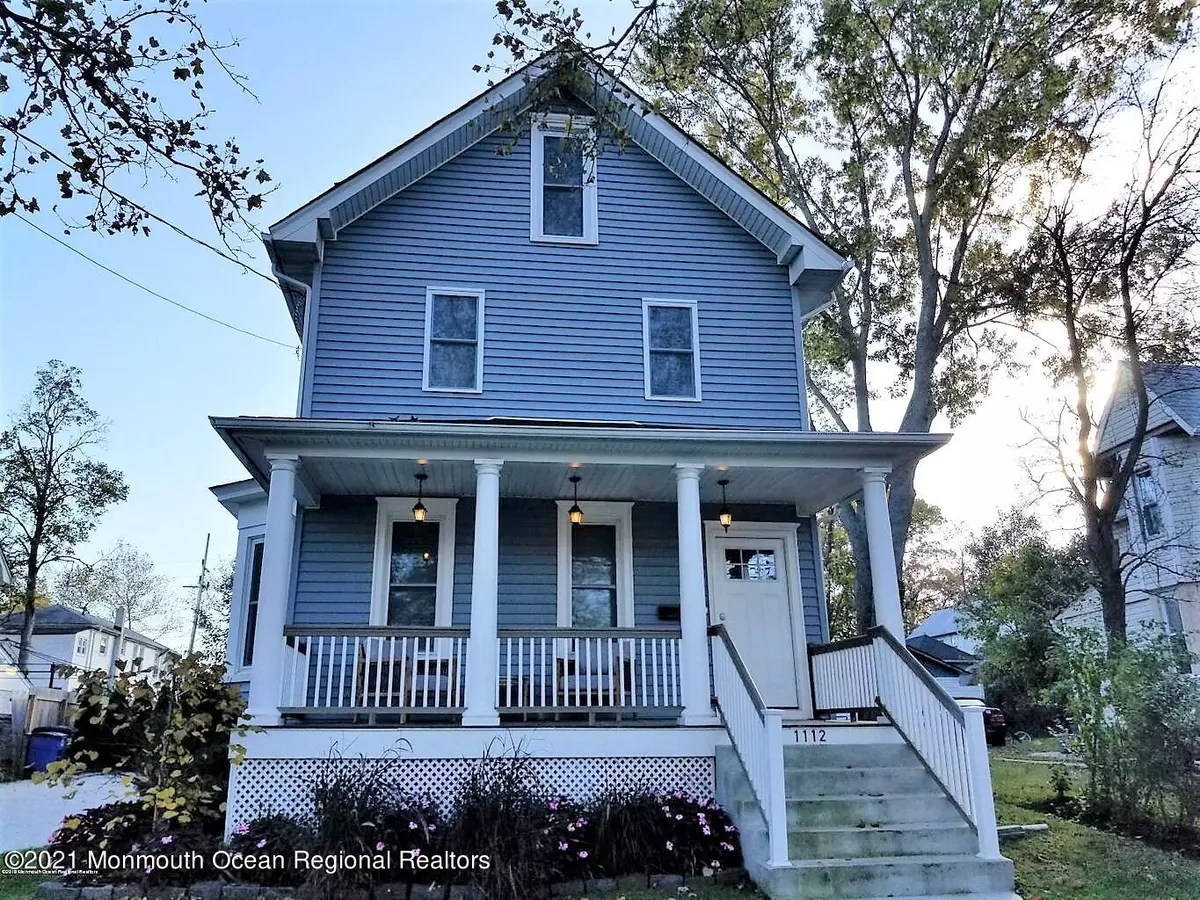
[(46, 745)]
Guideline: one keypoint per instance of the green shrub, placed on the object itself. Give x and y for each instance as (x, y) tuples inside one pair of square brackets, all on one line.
[(1138, 718), (272, 834), (173, 740), (113, 828)]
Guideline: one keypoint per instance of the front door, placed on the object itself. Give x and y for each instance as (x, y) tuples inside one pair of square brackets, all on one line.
[(751, 594)]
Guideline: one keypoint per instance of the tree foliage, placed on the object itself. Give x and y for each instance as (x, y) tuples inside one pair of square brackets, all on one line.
[(1115, 283), (1011, 612), (51, 491), (124, 578), (895, 129), (104, 95)]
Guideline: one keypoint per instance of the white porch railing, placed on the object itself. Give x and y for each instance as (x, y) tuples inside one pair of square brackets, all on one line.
[(611, 670), (330, 668), (874, 672), (757, 735)]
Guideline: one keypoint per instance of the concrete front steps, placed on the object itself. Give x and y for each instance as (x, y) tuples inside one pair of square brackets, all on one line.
[(866, 820)]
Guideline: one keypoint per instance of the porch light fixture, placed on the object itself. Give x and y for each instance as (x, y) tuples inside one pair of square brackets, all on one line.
[(725, 516), (419, 510), (575, 514)]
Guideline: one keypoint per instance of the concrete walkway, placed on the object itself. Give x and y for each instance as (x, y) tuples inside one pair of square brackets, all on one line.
[(30, 813)]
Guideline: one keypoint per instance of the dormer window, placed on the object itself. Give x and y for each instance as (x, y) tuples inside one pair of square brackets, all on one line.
[(562, 182)]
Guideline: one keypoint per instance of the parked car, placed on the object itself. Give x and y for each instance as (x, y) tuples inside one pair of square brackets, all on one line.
[(994, 726)]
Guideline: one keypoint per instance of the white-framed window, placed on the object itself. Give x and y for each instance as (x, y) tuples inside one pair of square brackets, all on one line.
[(595, 566), (562, 181), (671, 349), (81, 645), (253, 587), (1147, 498), (413, 580), (102, 647), (453, 340)]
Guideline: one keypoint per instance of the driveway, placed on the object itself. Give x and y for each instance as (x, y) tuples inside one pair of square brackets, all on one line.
[(30, 813)]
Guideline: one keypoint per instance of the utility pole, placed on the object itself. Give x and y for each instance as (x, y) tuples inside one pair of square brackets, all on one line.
[(199, 594)]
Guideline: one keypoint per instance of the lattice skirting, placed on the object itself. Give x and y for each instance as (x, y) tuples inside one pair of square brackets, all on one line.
[(262, 786)]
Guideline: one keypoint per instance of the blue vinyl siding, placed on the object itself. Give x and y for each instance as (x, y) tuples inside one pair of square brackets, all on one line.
[(333, 577), (563, 335)]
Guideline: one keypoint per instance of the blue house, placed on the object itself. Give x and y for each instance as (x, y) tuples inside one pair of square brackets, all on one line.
[(551, 484)]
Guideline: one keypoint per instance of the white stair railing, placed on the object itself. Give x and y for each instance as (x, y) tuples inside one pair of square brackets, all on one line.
[(757, 735), (874, 672)]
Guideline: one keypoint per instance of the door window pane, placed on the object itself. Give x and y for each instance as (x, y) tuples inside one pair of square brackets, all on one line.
[(594, 576), (454, 342), (412, 588), (749, 565), (672, 351)]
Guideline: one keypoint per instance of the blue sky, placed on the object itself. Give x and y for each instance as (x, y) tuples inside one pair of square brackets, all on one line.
[(338, 84)]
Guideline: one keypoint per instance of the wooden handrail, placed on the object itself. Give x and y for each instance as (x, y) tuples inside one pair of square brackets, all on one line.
[(383, 631), (751, 688), (572, 633), (920, 671)]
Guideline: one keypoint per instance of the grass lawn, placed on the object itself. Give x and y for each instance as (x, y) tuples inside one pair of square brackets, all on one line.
[(19, 887), (1076, 862)]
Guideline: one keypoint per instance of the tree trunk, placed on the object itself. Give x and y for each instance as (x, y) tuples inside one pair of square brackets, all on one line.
[(30, 598), (1105, 556)]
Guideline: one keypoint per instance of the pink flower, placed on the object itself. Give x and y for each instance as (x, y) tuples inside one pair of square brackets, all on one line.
[(678, 817), (715, 864), (433, 828), (706, 830), (583, 854), (412, 826), (554, 804), (562, 845), (261, 844), (380, 845), (570, 828), (166, 839), (670, 846), (241, 828)]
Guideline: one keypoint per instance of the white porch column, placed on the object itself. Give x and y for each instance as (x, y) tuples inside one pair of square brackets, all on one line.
[(485, 566), (983, 806), (885, 586), (266, 674), (693, 604)]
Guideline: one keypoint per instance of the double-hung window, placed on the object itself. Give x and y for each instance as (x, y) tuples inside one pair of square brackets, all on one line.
[(1147, 495), (562, 182), (453, 340), (413, 582), (595, 567), (256, 565), (670, 338)]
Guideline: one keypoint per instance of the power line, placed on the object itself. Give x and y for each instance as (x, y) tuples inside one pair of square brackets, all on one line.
[(155, 293)]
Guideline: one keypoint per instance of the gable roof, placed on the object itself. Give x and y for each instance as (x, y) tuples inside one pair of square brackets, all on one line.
[(949, 656), (55, 619), (294, 243), (1174, 392), (939, 623)]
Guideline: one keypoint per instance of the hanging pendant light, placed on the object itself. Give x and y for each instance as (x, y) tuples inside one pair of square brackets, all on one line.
[(575, 514), (419, 511), (725, 516)]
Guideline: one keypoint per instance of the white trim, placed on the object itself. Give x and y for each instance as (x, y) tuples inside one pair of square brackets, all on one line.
[(437, 290), (648, 302), (235, 650), (597, 512), (399, 509), (562, 126), (787, 531), (473, 743)]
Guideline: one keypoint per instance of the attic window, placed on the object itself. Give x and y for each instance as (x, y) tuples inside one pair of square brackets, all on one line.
[(562, 179), (453, 340), (1147, 491)]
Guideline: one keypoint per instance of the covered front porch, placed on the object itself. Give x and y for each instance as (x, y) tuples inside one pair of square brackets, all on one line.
[(501, 608)]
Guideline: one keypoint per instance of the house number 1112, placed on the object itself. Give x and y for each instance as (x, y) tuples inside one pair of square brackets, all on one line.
[(810, 735)]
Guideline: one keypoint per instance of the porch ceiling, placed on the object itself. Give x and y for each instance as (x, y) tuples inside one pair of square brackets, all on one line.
[(810, 469)]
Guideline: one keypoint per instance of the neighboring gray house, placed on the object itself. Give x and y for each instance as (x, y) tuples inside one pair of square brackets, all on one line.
[(1159, 524), (63, 637), (946, 625), (551, 484)]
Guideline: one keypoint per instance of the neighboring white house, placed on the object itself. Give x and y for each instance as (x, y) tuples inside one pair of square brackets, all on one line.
[(946, 625), (63, 637), (1159, 525)]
